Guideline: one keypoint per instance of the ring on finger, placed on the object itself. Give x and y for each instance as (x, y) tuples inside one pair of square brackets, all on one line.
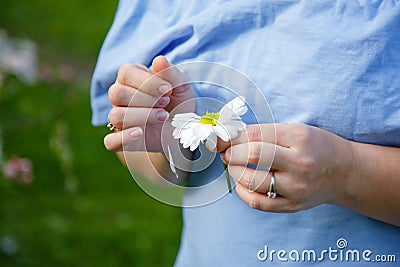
[(271, 191), (110, 125)]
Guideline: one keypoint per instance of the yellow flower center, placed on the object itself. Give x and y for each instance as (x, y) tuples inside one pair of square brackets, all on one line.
[(210, 118)]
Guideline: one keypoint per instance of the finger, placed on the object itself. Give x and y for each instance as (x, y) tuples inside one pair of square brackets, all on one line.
[(254, 132), (135, 76), (122, 117), (259, 154), (253, 180), (131, 139), (163, 69), (260, 201), (275, 133), (123, 95), (259, 180)]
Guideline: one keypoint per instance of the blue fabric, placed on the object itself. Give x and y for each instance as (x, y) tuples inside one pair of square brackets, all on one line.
[(331, 64)]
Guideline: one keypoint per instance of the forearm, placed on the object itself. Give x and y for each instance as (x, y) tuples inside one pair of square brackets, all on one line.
[(373, 186)]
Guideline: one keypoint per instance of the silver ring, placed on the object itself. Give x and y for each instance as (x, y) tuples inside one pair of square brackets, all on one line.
[(110, 125), (271, 192)]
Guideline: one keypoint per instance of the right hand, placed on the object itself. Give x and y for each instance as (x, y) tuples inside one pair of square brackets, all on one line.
[(142, 100)]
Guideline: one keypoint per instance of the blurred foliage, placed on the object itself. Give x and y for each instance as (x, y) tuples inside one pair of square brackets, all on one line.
[(83, 208), (74, 26)]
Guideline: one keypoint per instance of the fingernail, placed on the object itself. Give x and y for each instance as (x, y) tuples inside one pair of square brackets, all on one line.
[(136, 133), (167, 61), (222, 156), (163, 101), (162, 115), (164, 88)]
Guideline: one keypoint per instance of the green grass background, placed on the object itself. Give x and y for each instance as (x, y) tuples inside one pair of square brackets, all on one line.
[(83, 208)]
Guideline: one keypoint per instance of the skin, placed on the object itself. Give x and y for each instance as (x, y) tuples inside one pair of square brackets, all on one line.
[(142, 101), (311, 166)]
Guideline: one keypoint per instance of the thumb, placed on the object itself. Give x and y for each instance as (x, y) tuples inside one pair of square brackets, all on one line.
[(160, 63), (163, 69)]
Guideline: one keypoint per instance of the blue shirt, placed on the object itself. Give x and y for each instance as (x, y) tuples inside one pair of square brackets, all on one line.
[(331, 64)]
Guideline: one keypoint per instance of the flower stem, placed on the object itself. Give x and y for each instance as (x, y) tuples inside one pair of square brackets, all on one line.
[(228, 179)]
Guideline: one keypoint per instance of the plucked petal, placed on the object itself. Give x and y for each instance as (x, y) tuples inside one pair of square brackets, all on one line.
[(171, 163)]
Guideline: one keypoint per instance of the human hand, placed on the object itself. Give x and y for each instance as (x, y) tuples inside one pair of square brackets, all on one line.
[(142, 100), (311, 166)]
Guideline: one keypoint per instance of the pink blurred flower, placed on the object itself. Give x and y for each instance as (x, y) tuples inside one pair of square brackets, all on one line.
[(45, 73), (66, 72), (18, 169)]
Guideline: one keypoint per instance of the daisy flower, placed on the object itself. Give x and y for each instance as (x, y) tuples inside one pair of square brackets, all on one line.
[(193, 129)]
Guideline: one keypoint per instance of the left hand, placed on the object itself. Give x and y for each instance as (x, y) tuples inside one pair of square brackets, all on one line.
[(311, 166)]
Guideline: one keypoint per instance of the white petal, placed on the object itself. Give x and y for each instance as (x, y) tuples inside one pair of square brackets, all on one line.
[(185, 142), (195, 144), (237, 107), (212, 141), (171, 163), (222, 132), (203, 131), (192, 136), (235, 124), (179, 132), (180, 121), (176, 133), (233, 132), (186, 137), (178, 124), (186, 116), (190, 131), (182, 126)]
